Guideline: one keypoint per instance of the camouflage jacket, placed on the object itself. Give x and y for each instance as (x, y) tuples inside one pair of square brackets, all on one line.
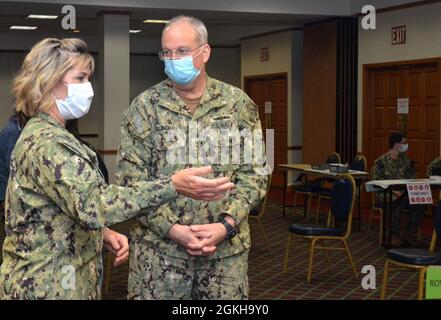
[(157, 140), (434, 168), (386, 168), (57, 203)]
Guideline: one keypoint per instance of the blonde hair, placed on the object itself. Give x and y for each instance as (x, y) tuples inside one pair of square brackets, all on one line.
[(42, 69)]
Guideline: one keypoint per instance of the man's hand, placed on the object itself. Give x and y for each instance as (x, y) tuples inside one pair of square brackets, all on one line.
[(118, 244), (192, 241), (218, 232), (397, 193), (190, 183)]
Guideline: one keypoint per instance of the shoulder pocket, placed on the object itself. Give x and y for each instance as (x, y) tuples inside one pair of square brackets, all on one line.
[(136, 124)]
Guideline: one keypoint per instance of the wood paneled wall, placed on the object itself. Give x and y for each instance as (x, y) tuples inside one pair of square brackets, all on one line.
[(319, 91), (330, 89), (347, 67)]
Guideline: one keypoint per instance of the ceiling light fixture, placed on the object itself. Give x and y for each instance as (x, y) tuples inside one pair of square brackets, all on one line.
[(41, 16), (22, 28), (155, 21)]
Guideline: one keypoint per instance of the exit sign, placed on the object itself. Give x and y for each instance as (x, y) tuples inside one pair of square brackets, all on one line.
[(264, 54), (399, 35)]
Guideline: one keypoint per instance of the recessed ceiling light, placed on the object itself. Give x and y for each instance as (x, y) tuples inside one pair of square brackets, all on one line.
[(22, 28), (155, 21), (41, 16), (134, 31)]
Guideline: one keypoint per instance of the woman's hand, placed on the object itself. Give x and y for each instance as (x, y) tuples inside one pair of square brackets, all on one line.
[(118, 244), (190, 183)]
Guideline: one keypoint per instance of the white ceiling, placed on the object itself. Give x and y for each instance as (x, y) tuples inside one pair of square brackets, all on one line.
[(356, 5), (309, 7), (227, 21), (225, 28)]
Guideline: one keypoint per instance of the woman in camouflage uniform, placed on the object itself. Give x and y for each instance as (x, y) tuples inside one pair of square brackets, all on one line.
[(57, 202)]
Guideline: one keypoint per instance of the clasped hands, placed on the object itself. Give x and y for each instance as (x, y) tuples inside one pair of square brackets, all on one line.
[(202, 239), (197, 239)]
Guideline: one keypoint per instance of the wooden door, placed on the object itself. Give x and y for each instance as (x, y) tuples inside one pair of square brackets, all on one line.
[(272, 89), (420, 83), (423, 130)]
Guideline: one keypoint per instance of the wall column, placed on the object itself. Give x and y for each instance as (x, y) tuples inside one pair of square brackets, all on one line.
[(114, 82)]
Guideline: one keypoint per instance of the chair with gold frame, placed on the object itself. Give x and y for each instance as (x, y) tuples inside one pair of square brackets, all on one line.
[(325, 193), (375, 208), (308, 189), (414, 259), (359, 162), (257, 215), (313, 187), (341, 209)]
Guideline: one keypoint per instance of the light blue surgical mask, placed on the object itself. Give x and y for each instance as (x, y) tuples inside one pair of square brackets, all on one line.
[(77, 103), (182, 70), (404, 147)]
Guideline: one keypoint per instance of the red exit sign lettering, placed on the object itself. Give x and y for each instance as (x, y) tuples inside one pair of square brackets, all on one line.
[(264, 54), (399, 35)]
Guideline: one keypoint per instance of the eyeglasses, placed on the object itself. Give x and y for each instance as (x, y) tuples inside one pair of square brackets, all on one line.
[(178, 54)]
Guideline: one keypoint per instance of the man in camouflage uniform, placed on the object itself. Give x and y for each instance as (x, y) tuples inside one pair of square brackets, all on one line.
[(434, 168), (157, 138), (396, 165)]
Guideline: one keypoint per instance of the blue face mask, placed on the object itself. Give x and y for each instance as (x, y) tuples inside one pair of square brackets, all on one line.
[(181, 71)]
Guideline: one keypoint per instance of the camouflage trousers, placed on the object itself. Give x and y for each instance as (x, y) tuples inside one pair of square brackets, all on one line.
[(414, 214), (154, 275)]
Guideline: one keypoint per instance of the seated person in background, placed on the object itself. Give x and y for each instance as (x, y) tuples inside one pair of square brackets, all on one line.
[(396, 165), (434, 168), (8, 137)]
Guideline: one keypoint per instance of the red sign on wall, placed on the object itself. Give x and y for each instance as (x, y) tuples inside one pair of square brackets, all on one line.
[(264, 54), (399, 35), (419, 193)]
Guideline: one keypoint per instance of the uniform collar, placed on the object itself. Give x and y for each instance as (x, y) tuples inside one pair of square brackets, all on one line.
[(210, 99), (400, 156), (47, 118), (170, 100)]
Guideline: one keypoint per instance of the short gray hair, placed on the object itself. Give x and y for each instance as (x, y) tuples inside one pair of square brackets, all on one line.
[(198, 25)]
